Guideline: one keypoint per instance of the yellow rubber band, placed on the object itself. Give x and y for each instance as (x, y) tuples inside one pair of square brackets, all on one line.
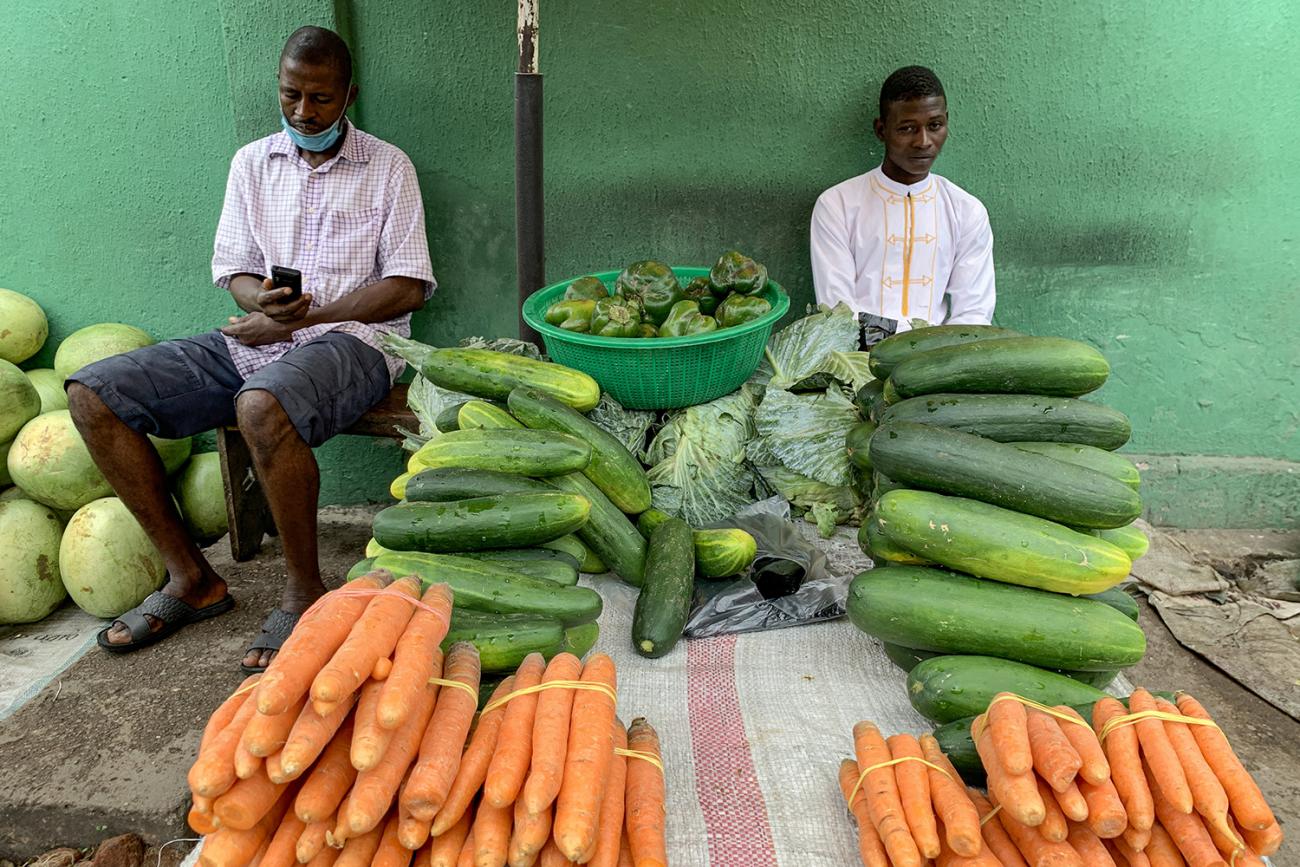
[(553, 684), (988, 817), (1129, 719), (456, 684), (248, 687), (642, 755), (1028, 702), (889, 764)]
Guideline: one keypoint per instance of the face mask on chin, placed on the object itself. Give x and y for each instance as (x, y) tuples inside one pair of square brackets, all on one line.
[(321, 141)]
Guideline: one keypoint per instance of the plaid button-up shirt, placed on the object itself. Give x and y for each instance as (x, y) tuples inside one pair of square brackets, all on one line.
[(356, 219)]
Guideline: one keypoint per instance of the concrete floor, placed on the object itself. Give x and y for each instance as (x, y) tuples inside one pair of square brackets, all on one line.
[(104, 750)]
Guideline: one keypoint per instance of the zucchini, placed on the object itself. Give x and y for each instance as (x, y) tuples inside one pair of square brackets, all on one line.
[(930, 609), (503, 640), (478, 524), (613, 469), (965, 465), (1118, 467), (1013, 365), (446, 484), (857, 443), (490, 374), (448, 419), (719, 553), (515, 555), (992, 542), (664, 602), (1129, 539), (556, 571), (1018, 418), (526, 452), (870, 399), (580, 639), (946, 688), (907, 659), (361, 567), (876, 545), (481, 586), (893, 350), (481, 415), (1118, 599), (609, 533)]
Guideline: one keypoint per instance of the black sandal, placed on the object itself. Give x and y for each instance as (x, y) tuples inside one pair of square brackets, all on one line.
[(173, 613), (279, 623)]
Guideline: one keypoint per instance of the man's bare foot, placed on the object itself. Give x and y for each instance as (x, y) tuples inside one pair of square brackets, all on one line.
[(197, 595), (278, 625)]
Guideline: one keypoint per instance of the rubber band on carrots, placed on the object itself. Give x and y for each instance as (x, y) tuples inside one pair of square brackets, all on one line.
[(1029, 702), (554, 684), (1129, 719), (988, 817), (889, 764), (642, 755), (456, 684)]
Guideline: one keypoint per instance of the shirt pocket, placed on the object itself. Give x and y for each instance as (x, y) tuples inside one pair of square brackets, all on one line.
[(350, 241)]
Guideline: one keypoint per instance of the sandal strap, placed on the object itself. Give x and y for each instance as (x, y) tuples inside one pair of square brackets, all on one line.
[(276, 628), (167, 609)]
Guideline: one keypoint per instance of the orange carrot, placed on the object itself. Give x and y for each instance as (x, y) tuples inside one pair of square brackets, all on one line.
[(227, 847), (1167, 771), (644, 801), (265, 734), (201, 822), (1095, 768), (1072, 803), (1186, 829), (1125, 765), (1055, 759), (1037, 849), (1134, 856), (473, 764), (310, 735), (383, 668), (444, 738), (201, 805), (282, 851), (913, 782), (949, 858), (552, 856), (529, 835), (952, 805), (411, 832), (1136, 839), (1008, 727), (1161, 851), (311, 644), (586, 762), (247, 802), (444, 850), (883, 803), (225, 712), (492, 834), (611, 806), (466, 857), (324, 858), (213, 772), (1106, 816), (1208, 795), (1055, 827), (246, 764), (416, 657), (996, 839), (550, 735), (1264, 842), (422, 857), (1232, 847), (312, 839), (391, 853), (359, 851), (371, 638), (1019, 794), (372, 794), (369, 740), (509, 766), (1089, 845), (870, 849), (1248, 805), (323, 789), (625, 853)]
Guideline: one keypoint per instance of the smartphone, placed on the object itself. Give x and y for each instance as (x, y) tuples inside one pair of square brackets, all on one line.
[(287, 277)]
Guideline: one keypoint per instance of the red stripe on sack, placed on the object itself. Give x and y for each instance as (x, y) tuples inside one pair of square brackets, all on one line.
[(735, 814)]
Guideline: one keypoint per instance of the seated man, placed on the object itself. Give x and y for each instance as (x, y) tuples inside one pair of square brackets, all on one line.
[(343, 208), (900, 243)]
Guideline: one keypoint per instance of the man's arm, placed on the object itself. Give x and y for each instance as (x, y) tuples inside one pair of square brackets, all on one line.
[(833, 268), (972, 291), (379, 302)]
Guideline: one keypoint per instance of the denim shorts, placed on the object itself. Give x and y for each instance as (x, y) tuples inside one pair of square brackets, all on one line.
[(179, 388)]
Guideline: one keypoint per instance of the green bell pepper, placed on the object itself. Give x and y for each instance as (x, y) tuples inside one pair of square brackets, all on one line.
[(647, 330), (736, 272), (616, 316), (739, 309), (699, 291), (586, 289), (685, 319), (653, 284), (571, 315)]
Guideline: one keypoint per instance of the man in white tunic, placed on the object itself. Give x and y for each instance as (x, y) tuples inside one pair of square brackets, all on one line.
[(900, 242)]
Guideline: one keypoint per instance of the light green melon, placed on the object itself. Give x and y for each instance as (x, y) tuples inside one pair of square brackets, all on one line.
[(50, 462), (23, 327), (202, 496), (96, 342), (19, 400), (30, 587), (108, 563), (49, 385)]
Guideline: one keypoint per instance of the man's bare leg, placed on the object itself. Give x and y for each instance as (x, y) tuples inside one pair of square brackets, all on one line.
[(132, 466), (290, 479)]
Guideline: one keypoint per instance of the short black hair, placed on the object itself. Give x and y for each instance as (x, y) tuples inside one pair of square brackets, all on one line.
[(910, 82), (317, 46)]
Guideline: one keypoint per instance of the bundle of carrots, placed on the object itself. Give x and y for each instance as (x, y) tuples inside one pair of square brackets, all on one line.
[(1153, 785), (361, 745), (910, 805)]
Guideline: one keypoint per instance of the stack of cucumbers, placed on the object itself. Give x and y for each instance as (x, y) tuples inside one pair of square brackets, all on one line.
[(520, 492), (1002, 517)]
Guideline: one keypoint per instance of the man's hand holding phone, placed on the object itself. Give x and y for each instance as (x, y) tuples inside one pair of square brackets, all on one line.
[(282, 298)]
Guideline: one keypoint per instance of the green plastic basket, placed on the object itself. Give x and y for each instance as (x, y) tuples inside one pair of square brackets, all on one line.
[(660, 372)]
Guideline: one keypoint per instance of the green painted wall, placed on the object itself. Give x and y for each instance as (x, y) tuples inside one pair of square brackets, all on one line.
[(1132, 158)]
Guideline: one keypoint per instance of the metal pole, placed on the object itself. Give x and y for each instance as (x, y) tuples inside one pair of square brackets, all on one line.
[(530, 220)]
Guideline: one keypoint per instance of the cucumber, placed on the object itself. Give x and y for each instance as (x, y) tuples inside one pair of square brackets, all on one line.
[(609, 533), (664, 602), (857, 443), (490, 374), (1129, 539), (613, 469), (481, 586), (526, 452), (1118, 467), (514, 555), (448, 419), (478, 524), (374, 549), (555, 571), (719, 553), (965, 465), (930, 609), (946, 688), (876, 545), (893, 350), (361, 567), (1018, 418), (570, 546), (870, 399), (579, 640), (591, 562), (1119, 600), (992, 542), (1012, 365), (397, 487), (481, 415), (907, 659), (503, 640), (446, 484)]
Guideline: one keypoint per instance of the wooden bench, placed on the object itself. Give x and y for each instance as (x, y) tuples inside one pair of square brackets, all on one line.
[(246, 507)]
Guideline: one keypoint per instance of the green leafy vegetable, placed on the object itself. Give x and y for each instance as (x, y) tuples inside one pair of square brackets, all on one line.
[(803, 348), (806, 433), (629, 426)]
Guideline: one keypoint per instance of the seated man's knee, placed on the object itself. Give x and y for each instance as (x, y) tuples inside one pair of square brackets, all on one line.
[(262, 421), (84, 404)]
